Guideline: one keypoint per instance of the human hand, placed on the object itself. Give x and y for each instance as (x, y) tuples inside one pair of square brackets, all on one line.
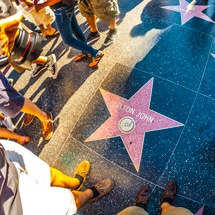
[(8, 32)]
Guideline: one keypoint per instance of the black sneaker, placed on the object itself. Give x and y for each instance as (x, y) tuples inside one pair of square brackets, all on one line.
[(92, 37), (49, 65), (111, 37), (38, 69), (53, 66)]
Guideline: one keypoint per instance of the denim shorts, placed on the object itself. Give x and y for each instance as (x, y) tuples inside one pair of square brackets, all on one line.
[(105, 10), (11, 102)]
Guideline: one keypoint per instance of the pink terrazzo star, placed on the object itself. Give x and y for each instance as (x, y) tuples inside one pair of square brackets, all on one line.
[(186, 14), (130, 119), (200, 211)]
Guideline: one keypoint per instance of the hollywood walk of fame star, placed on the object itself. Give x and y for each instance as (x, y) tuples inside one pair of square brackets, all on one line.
[(187, 14), (200, 211), (130, 119)]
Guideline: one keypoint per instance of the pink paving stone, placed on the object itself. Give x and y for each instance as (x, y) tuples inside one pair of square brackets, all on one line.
[(133, 111), (186, 14)]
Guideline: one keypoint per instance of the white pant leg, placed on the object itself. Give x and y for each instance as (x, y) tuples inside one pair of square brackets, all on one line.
[(37, 196)]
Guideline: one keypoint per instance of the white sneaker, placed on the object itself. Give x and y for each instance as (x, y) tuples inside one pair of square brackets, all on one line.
[(8, 123), (53, 66)]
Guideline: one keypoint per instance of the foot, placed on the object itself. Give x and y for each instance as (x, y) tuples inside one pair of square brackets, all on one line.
[(142, 197), (38, 69), (111, 37), (52, 33), (82, 172), (28, 119), (170, 193), (81, 57), (47, 126), (102, 188), (8, 123), (50, 65), (53, 66), (23, 140), (95, 60), (92, 37)]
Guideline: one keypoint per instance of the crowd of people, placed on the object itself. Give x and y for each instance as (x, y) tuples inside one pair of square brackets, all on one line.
[(22, 173)]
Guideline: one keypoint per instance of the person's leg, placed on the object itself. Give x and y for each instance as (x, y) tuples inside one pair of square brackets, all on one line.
[(97, 191), (41, 60), (7, 122), (133, 210), (30, 108), (47, 30), (141, 203), (5, 133), (107, 13), (1, 116), (111, 36), (64, 18), (76, 29), (59, 179), (86, 10), (112, 23), (33, 110), (166, 207), (51, 31), (91, 20), (46, 63), (46, 18), (168, 197), (12, 103), (79, 35), (169, 210)]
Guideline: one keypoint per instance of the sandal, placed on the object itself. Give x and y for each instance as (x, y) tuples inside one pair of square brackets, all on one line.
[(95, 60), (82, 57), (170, 193), (25, 140)]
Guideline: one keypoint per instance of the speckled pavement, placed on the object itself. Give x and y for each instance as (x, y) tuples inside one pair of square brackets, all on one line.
[(144, 116)]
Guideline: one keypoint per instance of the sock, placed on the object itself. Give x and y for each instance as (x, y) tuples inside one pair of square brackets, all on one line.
[(113, 30), (95, 192), (48, 59), (144, 206), (80, 178), (170, 201), (94, 33)]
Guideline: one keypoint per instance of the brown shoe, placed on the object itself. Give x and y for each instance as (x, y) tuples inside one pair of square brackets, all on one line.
[(28, 119), (81, 57), (82, 172), (103, 187), (170, 193), (95, 60), (142, 197), (47, 126)]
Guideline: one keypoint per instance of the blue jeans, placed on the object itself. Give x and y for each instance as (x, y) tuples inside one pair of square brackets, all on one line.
[(68, 27)]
